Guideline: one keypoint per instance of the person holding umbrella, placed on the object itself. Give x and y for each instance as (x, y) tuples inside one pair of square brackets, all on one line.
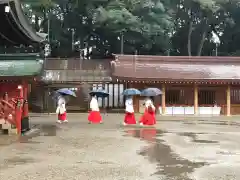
[(148, 118), (61, 103), (61, 110), (94, 116), (129, 115)]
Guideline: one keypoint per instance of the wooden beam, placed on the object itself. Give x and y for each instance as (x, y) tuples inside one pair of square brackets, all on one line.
[(195, 99), (228, 93)]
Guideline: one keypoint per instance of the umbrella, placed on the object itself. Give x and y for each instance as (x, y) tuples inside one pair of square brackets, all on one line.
[(99, 93), (131, 92), (151, 92), (55, 95), (66, 91)]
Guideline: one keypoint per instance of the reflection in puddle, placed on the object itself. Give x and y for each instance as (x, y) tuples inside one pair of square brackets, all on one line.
[(169, 164)]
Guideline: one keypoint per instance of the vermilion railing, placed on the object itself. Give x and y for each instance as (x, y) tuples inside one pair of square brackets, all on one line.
[(13, 110)]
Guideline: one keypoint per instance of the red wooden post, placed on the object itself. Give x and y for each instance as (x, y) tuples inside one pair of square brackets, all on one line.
[(18, 116)]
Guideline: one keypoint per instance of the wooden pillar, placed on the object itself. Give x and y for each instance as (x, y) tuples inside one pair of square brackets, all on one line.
[(113, 95), (195, 99), (228, 93), (163, 99), (119, 94)]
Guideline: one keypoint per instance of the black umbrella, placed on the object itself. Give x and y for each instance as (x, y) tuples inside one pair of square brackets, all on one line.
[(99, 93)]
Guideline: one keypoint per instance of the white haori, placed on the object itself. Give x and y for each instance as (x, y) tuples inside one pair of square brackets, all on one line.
[(94, 104), (61, 108), (129, 105)]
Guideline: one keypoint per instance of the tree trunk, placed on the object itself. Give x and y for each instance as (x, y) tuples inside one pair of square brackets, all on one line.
[(190, 29), (203, 37)]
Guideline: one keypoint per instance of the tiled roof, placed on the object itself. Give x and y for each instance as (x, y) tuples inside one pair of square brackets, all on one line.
[(176, 68)]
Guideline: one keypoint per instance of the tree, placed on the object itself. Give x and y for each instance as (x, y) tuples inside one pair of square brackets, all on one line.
[(145, 24), (200, 17), (181, 27)]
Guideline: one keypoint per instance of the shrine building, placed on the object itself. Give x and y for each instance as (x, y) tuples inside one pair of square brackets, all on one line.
[(190, 85), (19, 66)]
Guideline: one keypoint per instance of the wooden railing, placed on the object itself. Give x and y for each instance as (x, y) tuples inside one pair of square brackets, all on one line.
[(12, 110)]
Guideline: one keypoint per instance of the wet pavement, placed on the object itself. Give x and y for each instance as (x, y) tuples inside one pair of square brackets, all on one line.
[(184, 149)]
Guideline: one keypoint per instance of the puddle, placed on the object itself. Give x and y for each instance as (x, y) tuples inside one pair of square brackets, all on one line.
[(193, 137), (169, 164)]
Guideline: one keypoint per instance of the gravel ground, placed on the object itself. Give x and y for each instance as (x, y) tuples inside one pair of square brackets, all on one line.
[(75, 150), (176, 149)]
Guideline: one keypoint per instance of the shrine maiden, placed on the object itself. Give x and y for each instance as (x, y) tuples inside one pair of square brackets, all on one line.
[(94, 116), (129, 112), (148, 118), (61, 110)]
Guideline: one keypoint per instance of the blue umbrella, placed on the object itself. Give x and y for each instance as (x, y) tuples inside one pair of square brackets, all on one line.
[(131, 92), (99, 93), (65, 91), (151, 92)]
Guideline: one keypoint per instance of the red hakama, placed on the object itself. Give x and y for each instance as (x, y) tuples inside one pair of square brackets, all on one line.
[(148, 118), (129, 118), (94, 117), (62, 117)]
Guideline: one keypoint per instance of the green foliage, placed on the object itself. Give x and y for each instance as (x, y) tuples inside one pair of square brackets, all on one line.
[(148, 26), (147, 21)]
